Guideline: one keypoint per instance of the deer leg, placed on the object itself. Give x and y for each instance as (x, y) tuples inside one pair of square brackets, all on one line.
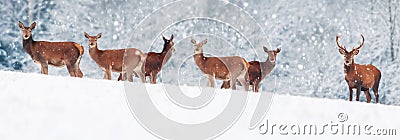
[(153, 78), (358, 93), (141, 76), (109, 74), (233, 82), (368, 96), (375, 89), (71, 70), (129, 76), (78, 72), (351, 94), (225, 85), (244, 83), (256, 86), (120, 77), (105, 75), (376, 96), (44, 68), (211, 81)]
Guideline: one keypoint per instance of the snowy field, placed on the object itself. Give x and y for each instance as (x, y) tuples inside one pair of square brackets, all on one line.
[(35, 106)]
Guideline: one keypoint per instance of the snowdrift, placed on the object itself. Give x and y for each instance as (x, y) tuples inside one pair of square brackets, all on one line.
[(35, 106)]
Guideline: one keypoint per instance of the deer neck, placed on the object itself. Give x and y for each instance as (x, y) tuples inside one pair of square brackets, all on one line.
[(349, 68), (95, 52), (27, 45), (267, 67), (166, 53), (200, 60)]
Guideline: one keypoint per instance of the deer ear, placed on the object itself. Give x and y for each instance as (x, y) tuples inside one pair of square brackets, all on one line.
[(278, 50), (204, 41), (99, 35), (86, 34), (20, 24), (341, 51), (193, 41), (355, 52), (33, 25), (172, 37), (265, 49), (164, 38)]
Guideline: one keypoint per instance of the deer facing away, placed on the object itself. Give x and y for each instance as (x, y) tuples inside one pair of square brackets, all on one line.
[(259, 70), (360, 77), (56, 54), (155, 61), (230, 68), (125, 61)]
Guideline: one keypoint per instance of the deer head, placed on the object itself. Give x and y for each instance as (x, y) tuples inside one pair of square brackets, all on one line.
[(92, 39), (26, 31), (349, 56), (272, 54), (198, 48), (169, 43)]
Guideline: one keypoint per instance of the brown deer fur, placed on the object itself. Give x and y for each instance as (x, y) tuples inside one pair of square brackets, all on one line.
[(230, 68), (155, 61), (360, 77), (124, 61), (258, 70), (56, 54)]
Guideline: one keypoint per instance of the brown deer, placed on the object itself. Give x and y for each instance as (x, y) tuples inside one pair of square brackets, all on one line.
[(124, 61), (230, 68), (360, 77), (155, 61), (56, 54), (258, 70)]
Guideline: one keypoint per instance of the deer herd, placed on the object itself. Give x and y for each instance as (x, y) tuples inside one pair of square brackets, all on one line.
[(232, 70)]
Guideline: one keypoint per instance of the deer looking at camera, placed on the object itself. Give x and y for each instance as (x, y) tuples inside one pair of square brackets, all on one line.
[(258, 70), (124, 61), (360, 77), (230, 68), (155, 61), (56, 54)]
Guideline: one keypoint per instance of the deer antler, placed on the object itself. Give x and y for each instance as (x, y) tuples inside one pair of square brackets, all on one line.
[(362, 43), (337, 42)]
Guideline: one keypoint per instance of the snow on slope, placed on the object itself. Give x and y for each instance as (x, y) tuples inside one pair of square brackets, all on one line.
[(34, 106)]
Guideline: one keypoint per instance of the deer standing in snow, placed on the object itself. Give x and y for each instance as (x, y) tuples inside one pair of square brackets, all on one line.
[(258, 70), (360, 77), (230, 68), (125, 61), (56, 54), (155, 61)]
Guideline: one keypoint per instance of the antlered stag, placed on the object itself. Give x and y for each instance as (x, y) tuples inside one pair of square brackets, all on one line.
[(155, 61), (56, 54), (230, 68), (360, 77), (258, 70), (125, 61)]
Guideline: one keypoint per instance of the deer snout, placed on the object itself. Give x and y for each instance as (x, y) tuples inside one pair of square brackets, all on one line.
[(25, 36)]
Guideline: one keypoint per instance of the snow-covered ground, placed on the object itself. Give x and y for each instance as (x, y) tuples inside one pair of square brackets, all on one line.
[(35, 106)]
